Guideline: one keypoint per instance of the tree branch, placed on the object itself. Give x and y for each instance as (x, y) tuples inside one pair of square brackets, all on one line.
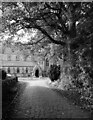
[(45, 33)]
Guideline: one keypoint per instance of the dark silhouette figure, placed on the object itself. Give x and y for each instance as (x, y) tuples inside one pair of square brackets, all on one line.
[(37, 73)]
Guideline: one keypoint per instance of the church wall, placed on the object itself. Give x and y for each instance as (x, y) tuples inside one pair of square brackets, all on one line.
[(14, 63), (13, 66)]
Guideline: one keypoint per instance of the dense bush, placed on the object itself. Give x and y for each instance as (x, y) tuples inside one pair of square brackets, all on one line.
[(3, 74), (8, 85), (83, 81), (54, 72)]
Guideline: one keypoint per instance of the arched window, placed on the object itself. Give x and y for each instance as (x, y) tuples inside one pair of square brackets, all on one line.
[(18, 70), (8, 70), (26, 70)]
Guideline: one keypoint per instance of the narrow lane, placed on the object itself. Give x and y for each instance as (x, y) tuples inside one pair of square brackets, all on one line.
[(40, 101)]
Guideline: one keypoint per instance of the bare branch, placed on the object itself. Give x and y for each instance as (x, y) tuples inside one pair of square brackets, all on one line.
[(45, 33)]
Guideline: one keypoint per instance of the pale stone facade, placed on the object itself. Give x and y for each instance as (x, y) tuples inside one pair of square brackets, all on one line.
[(14, 66), (13, 62)]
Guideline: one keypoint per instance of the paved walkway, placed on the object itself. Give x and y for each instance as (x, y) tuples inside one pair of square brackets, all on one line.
[(39, 101)]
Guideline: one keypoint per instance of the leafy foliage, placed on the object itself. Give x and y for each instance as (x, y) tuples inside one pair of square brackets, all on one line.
[(54, 72), (56, 21)]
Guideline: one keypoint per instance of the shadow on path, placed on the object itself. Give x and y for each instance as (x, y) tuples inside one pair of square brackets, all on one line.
[(39, 101)]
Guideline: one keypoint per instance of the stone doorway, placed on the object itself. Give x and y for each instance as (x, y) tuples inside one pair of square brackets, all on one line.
[(36, 73)]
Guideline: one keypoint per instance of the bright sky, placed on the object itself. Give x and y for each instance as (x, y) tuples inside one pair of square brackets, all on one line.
[(26, 36)]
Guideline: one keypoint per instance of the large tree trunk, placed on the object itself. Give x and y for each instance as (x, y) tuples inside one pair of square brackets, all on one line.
[(69, 57), (71, 35)]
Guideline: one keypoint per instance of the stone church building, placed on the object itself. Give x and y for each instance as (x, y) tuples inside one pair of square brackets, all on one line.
[(14, 62)]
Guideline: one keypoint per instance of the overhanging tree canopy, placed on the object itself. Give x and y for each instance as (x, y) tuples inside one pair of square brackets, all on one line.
[(57, 21)]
